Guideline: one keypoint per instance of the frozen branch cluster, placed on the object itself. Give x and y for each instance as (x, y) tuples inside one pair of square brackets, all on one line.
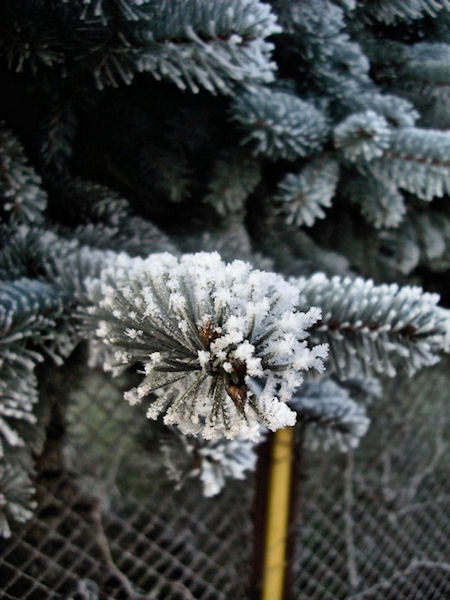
[(331, 416), (20, 190), (302, 197), (363, 136), (381, 202), (234, 178), (210, 44), (202, 330), (16, 492), (418, 161), (394, 11), (29, 314), (279, 124), (210, 461), (234, 127), (376, 328)]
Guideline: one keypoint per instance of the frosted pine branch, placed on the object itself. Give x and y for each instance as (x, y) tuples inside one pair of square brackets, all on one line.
[(331, 416), (133, 10), (29, 314), (321, 48), (417, 160), (362, 136), (376, 328), (278, 124), (202, 331), (380, 200), (29, 310), (318, 24), (234, 178), (20, 192), (423, 238), (18, 397), (69, 273), (16, 491), (302, 197), (394, 11), (397, 111), (212, 462), (425, 70), (210, 44)]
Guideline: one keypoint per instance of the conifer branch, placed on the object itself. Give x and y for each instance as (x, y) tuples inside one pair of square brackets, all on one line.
[(278, 124), (376, 328), (20, 187), (417, 160), (303, 196), (202, 331), (16, 491), (330, 415)]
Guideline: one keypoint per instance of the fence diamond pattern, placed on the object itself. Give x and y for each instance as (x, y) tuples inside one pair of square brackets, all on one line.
[(371, 525)]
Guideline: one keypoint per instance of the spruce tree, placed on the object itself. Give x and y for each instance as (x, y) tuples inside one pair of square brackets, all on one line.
[(242, 206)]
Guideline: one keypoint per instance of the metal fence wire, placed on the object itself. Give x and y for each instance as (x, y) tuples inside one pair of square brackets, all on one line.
[(375, 523), (372, 524)]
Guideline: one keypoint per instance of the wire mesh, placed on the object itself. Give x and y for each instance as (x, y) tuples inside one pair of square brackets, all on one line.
[(106, 528), (371, 525), (375, 523)]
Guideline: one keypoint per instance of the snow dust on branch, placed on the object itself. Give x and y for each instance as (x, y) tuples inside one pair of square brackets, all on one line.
[(201, 331)]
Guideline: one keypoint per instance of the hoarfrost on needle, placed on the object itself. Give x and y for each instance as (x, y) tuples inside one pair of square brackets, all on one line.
[(201, 331)]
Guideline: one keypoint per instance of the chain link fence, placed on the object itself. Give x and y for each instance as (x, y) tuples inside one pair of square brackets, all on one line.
[(370, 525), (375, 524)]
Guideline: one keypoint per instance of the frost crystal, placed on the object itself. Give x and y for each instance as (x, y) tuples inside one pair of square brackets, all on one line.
[(363, 136), (212, 462), (202, 330)]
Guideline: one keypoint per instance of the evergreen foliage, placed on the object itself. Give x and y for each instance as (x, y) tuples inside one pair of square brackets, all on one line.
[(387, 325), (16, 492), (22, 197), (235, 177), (330, 415), (279, 124), (391, 11), (140, 138), (210, 44), (381, 203), (29, 315), (212, 462), (202, 330), (303, 196)]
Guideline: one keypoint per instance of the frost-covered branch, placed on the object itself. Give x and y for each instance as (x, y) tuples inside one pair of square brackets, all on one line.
[(376, 328), (424, 238), (331, 417), (278, 124), (362, 136), (381, 202), (417, 160), (395, 11), (233, 179), (302, 197), (213, 462), (210, 44), (201, 331), (16, 491), (193, 43), (29, 315), (20, 193), (397, 111)]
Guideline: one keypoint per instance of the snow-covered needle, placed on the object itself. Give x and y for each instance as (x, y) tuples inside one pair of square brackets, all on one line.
[(201, 332)]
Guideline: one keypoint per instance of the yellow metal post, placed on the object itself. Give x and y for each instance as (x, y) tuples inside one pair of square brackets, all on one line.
[(277, 514)]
